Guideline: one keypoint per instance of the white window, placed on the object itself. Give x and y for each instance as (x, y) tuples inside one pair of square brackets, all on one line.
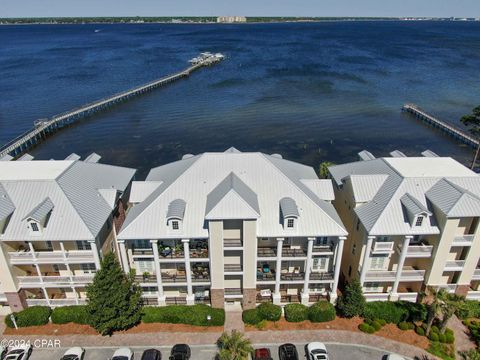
[(83, 245), (144, 265), (320, 264), (88, 268), (175, 225), (34, 227), (377, 262), (290, 223), (419, 221)]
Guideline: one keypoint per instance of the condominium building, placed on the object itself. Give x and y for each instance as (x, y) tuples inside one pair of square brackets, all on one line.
[(412, 222), (231, 19), (233, 227), (56, 221)]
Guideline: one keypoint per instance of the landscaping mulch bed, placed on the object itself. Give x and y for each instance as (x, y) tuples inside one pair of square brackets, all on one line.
[(389, 331), (76, 329)]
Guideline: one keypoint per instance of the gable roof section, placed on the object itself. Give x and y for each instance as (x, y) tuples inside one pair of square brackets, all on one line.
[(142, 189), (6, 205), (39, 212), (322, 188), (413, 206), (232, 199), (453, 200), (365, 187)]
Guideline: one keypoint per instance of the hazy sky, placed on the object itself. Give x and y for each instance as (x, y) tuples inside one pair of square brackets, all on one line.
[(439, 8)]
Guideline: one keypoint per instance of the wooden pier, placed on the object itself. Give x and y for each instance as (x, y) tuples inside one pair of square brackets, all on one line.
[(45, 127), (451, 130)]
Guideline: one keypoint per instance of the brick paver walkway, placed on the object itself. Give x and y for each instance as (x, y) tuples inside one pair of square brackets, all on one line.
[(233, 321), (462, 339)]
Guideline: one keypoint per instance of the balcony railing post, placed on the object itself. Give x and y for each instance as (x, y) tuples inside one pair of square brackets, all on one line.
[(308, 269), (186, 251), (158, 273), (338, 265), (366, 257), (123, 255), (276, 295), (401, 262)]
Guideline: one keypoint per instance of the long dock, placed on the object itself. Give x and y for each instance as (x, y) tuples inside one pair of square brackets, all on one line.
[(451, 130), (43, 128)]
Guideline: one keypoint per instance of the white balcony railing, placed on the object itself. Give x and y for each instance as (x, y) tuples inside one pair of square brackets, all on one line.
[(473, 295), (382, 247), (419, 251), (54, 280), (376, 296), (454, 265), (476, 274), (408, 296), (72, 256), (56, 302), (464, 240), (407, 275)]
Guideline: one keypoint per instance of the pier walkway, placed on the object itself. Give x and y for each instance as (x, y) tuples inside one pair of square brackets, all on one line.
[(451, 130), (43, 128)]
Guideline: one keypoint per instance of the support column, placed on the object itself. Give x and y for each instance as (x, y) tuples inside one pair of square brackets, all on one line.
[(158, 274), (278, 272), (188, 272), (401, 261), (123, 255), (308, 270), (64, 254), (76, 295), (32, 250), (96, 256), (366, 257), (45, 294), (338, 266)]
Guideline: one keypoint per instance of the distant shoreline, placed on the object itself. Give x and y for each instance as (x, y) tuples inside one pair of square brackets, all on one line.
[(210, 20)]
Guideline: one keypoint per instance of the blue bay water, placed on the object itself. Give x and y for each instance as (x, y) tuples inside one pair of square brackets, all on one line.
[(309, 91)]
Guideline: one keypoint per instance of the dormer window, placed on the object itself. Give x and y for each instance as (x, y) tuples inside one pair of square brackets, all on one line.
[(291, 223), (288, 213), (34, 227), (39, 216), (175, 213), (419, 221)]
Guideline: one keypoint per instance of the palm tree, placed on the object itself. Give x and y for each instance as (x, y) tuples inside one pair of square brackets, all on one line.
[(433, 306), (323, 169), (472, 122), (448, 306), (234, 346)]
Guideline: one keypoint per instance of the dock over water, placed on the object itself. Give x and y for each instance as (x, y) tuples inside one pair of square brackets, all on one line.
[(451, 130), (45, 127)]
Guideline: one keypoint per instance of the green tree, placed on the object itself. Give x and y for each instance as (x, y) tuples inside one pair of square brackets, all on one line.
[(352, 302), (434, 310), (234, 346), (114, 299), (448, 306), (472, 122), (323, 169), (471, 354)]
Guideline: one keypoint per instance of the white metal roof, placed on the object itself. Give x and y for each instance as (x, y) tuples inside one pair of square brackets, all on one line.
[(142, 189), (321, 187), (269, 178), (79, 210), (366, 186), (384, 214)]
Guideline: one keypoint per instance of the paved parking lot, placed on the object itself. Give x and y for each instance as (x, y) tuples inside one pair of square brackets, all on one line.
[(207, 352)]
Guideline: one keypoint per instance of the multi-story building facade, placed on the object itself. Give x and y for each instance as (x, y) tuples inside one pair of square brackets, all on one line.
[(56, 221), (412, 222), (233, 227)]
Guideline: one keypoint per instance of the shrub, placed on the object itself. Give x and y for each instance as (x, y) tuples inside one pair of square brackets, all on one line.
[(449, 331), (442, 351), (449, 338), (433, 336), (376, 325), (76, 314), (414, 311), (403, 325), (434, 329), (31, 316), (366, 328), (381, 322), (442, 338), (420, 331), (269, 311), (261, 325), (321, 311), (251, 317), (352, 302), (296, 312), (391, 312), (184, 314), (468, 309)]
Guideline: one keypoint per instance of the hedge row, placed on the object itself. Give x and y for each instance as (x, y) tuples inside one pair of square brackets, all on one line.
[(76, 314), (184, 314), (395, 312), (319, 312), (468, 309), (32, 316)]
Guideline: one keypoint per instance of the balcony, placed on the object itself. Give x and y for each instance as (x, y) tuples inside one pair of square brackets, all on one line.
[(464, 240), (376, 296), (176, 300), (54, 281), (454, 265), (382, 247), (321, 276), (55, 302), (293, 252), (407, 275), (408, 296), (233, 269), (418, 251), (323, 249), (232, 243), (266, 252), (476, 274), (233, 293), (51, 257), (473, 295)]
